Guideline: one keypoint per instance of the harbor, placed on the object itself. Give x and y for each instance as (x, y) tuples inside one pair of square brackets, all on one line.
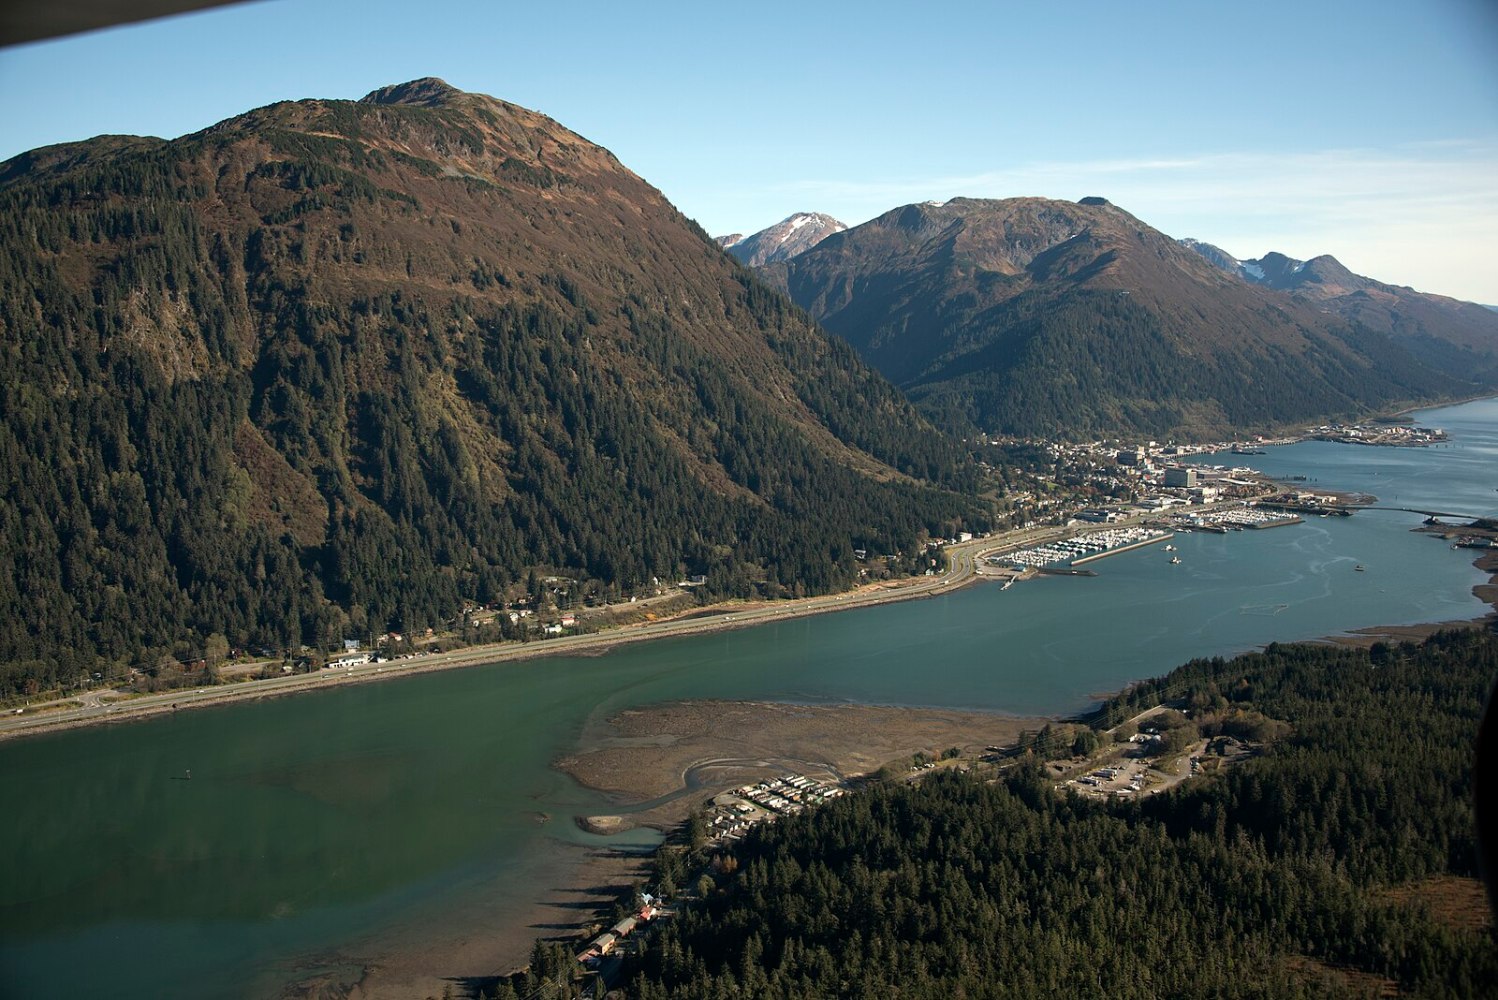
[(1236, 519), (1078, 550)]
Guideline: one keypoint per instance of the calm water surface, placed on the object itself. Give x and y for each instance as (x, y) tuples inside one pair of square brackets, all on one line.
[(316, 830)]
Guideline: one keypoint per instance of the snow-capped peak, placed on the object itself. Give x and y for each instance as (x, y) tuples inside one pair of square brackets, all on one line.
[(793, 235)]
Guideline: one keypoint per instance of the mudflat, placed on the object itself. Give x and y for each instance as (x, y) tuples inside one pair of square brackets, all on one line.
[(661, 761)]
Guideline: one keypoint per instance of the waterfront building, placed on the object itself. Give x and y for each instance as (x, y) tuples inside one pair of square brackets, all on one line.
[(1180, 476)]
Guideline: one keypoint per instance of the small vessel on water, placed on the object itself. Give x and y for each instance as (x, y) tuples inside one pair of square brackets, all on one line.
[(1175, 560), (1358, 568), (1170, 548)]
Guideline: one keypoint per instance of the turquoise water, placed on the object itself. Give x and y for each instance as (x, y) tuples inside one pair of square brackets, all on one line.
[(316, 830)]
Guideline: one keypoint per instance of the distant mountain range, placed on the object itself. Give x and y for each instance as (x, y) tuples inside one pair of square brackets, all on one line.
[(782, 241), (332, 367), (1442, 331), (1035, 316)]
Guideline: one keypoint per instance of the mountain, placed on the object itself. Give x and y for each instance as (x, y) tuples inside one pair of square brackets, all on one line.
[(1446, 333), (1038, 317), (333, 367), (782, 241)]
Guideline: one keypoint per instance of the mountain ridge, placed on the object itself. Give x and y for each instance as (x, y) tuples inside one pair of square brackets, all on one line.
[(1009, 315), (331, 367), (789, 237), (1446, 331)]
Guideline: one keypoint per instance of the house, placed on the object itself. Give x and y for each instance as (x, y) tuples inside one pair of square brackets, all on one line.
[(552, 629), (568, 621), (351, 645)]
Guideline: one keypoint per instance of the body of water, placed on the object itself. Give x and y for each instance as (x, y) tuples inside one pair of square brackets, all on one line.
[(316, 830)]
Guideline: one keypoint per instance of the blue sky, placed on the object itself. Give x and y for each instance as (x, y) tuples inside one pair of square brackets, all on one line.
[(1368, 130)]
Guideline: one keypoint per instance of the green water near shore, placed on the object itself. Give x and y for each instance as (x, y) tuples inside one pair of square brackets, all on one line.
[(317, 830)]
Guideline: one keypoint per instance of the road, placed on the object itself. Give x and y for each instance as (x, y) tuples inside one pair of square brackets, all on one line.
[(963, 560)]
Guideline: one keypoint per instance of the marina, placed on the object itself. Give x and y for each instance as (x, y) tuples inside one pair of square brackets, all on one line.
[(1081, 549), (1235, 519)]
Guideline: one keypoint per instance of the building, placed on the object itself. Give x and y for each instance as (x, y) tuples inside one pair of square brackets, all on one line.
[(1180, 476), (1129, 458)]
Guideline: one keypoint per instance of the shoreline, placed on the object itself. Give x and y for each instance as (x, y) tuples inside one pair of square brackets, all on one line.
[(964, 567), (707, 619), (654, 765)]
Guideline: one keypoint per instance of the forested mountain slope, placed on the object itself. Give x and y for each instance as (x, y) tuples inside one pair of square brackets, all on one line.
[(332, 367), (1315, 869), (1038, 317)]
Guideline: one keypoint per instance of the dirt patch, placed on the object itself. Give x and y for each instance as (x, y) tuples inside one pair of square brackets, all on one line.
[(1455, 902), (1365, 637), (1342, 980)]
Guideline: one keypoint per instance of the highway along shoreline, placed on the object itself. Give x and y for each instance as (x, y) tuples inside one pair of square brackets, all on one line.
[(74, 712)]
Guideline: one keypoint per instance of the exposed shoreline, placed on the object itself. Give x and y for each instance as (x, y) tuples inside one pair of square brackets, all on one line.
[(695, 621), (655, 764)]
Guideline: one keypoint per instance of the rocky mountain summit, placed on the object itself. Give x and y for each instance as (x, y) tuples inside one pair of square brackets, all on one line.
[(782, 241)]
